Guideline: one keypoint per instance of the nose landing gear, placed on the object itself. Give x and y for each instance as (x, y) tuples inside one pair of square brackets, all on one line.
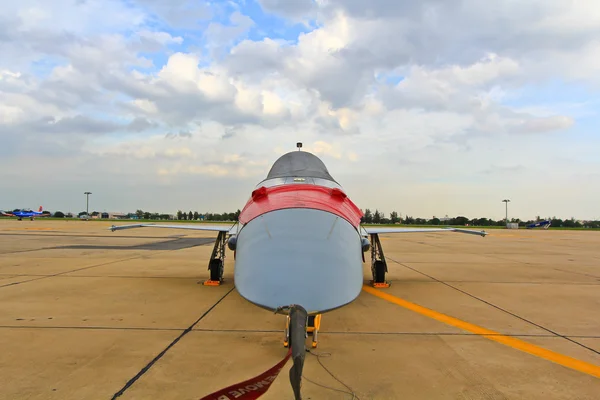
[(313, 324), (295, 336)]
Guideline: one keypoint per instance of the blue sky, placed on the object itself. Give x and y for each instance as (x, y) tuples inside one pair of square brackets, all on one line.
[(266, 25), (272, 26)]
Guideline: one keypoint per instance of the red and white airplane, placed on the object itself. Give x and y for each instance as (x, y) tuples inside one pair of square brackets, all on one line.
[(299, 248)]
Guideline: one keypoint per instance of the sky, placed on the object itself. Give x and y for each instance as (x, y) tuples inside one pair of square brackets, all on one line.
[(430, 108)]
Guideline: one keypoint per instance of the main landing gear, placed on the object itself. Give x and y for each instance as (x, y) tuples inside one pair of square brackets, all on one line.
[(378, 263), (216, 265)]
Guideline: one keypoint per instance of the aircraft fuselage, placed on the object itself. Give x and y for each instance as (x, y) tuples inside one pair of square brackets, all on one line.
[(299, 240), (23, 213)]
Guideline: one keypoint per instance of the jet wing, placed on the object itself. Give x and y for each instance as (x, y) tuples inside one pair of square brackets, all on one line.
[(374, 229), (232, 229)]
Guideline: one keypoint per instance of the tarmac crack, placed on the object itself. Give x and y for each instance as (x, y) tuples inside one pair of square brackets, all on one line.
[(367, 281), (26, 251), (321, 332), (74, 270), (118, 276), (91, 266), (115, 328), (91, 236), (578, 273), (400, 333), (162, 353), (498, 307), (485, 255)]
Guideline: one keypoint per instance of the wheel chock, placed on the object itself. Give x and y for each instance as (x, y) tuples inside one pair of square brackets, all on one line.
[(380, 284)]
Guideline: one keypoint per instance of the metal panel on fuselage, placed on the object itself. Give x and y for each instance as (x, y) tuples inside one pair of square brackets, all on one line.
[(299, 256)]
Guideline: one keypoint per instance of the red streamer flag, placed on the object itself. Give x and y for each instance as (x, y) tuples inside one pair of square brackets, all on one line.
[(253, 388)]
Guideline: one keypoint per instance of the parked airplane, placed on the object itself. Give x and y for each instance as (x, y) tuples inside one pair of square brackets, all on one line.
[(24, 213), (541, 224), (299, 248)]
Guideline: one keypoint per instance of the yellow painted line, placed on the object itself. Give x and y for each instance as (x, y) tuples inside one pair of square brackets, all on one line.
[(518, 344)]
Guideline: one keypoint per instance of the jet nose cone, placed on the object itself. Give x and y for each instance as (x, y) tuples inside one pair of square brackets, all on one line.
[(299, 256)]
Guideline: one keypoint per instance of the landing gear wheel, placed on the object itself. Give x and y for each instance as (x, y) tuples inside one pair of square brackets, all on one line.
[(215, 268), (378, 263), (379, 271), (216, 265)]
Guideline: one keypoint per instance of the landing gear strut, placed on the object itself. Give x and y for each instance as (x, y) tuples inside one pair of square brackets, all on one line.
[(296, 332), (378, 263), (216, 264), (313, 324)]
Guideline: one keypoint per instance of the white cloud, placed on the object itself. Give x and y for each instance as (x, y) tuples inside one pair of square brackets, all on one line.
[(296, 10), (180, 152), (78, 17), (221, 35), (163, 38), (10, 114), (9, 75), (145, 105), (322, 148), (400, 99), (185, 14), (545, 124)]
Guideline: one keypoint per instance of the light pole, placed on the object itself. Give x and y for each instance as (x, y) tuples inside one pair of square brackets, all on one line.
[(87, 204), (506, 219)]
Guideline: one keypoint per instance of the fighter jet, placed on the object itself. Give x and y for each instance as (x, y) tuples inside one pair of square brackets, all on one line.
[(24, 213), (299, 248)]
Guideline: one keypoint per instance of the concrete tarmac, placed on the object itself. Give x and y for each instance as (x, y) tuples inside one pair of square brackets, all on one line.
[(86, 313)]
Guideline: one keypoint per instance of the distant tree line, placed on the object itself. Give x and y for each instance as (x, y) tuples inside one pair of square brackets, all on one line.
[(148, 215), (378, 217), (195, 216), (369, 217)]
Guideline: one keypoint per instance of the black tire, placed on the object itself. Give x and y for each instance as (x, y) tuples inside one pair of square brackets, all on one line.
[(215, 270), (379, 271)]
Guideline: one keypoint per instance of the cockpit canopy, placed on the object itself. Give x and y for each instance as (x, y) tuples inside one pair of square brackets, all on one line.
[(299, 164)]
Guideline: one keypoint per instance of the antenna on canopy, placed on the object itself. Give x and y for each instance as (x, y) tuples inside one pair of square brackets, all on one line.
[(299, 145)]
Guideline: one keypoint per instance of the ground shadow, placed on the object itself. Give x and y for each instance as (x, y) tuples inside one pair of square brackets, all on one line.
[(177, 244)]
